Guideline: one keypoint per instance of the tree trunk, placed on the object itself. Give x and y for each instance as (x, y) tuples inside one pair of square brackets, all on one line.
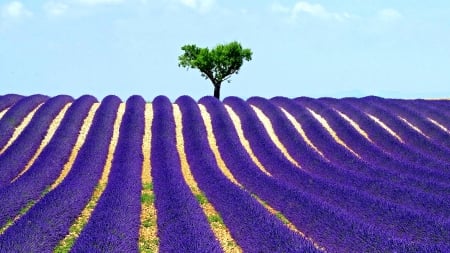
[(217, 91)]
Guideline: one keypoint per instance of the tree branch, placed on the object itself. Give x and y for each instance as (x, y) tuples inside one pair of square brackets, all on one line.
[(210, 75)]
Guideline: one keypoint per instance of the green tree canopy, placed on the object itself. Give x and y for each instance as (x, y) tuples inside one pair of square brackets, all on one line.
[(217, 64)]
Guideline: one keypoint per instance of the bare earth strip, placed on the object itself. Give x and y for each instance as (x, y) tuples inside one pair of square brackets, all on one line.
[(212, 143), (330, 130), (148, 241), (2, 113), (219, 229), (300, 130), (50, 132), (269, 129), (214, 148), (76, 148), (384, 126), (48, 136), (83, 218), (20, 128), (355, 125), (439, 125), (413, 127), (291, 226), (245, 143)]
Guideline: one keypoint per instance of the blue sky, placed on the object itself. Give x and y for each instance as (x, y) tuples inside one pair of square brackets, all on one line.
[(348, 48)]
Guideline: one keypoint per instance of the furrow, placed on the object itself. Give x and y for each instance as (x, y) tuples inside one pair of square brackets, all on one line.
[(48, 136), (396, 149), (81, 220), (182, 226), (439, 125), (330, 130), (385, 127), (87, 123), (373, 154), (15, 115), (357, 182), (355, 126), (224, 169), (240, 211), (148, 240), (11, 164), (414, 127), (418, 117), (390, 112), (302, 133), (7, 101), (114, 223), (268, 126), (277, 194), (341, 157), (19, 129), (215, 149), (23, 193), (2, 113), (343, 197), (429, 110), (244, 141), (46, 223), (220, 230)]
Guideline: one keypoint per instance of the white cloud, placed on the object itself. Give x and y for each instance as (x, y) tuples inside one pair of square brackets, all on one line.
[(389, 14), (99, 2), (315, 10), (199, 5), (55, 8), (15, 10)]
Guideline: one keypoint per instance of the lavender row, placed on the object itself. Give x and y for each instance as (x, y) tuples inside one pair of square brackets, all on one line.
[(396, 149), (340, 156), (339, 231), (401, 222), (47, 166), (313, 163), (428, 167), (114, 224), (411, 138), (16, 114), (369, 152), (240, 212), (436, 134), (46, 223), (426, 108), (442, 107), (389, 115), (11, 163), (384, 140), (438, 143), (182, 226), (438, 116), (8, 100)]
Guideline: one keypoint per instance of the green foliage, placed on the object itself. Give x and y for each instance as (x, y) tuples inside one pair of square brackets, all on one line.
[(147, 223), (215, 218), (148, 186), (282, 218), (25, 209), (46, 190), (217, 64), (147, 198), (201, 198)]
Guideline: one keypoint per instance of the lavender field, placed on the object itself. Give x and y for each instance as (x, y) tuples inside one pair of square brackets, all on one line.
[(257, 175)]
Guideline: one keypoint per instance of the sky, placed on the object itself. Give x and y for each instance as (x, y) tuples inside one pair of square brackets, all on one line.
[(347, 48)]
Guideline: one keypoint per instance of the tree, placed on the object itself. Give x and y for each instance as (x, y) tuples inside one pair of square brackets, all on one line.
[(217, 64)]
